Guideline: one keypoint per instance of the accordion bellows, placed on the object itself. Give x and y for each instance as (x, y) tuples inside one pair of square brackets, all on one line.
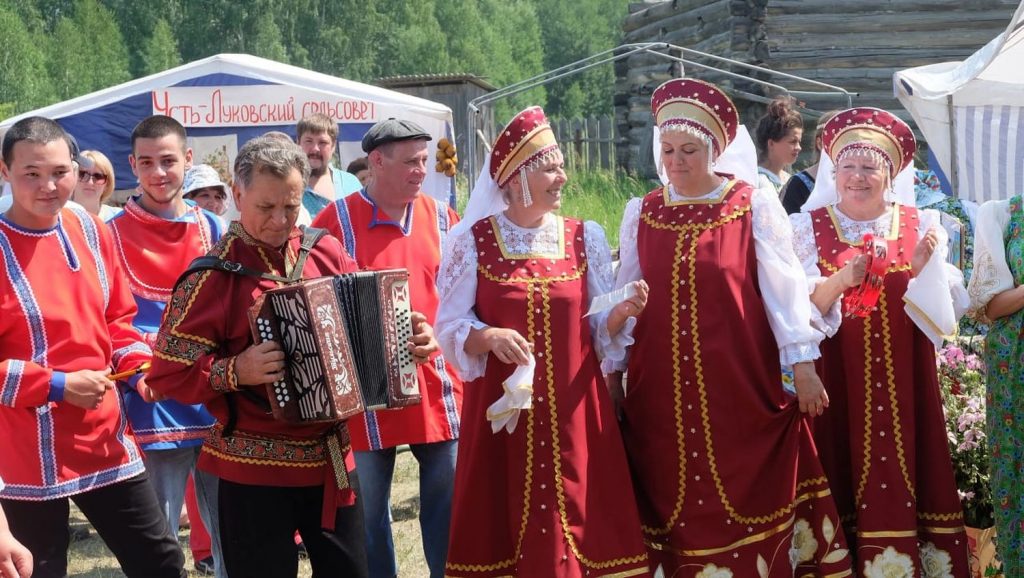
[(344, 339)]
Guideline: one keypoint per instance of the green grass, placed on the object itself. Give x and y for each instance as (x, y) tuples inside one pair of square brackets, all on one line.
[(91, 558), (594, 195)]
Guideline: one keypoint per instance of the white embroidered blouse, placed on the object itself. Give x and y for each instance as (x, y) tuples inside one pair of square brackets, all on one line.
[(807, 251), (991, 274), (457, 283)]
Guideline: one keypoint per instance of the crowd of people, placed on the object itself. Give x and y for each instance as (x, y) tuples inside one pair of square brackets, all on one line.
[(579, 417)]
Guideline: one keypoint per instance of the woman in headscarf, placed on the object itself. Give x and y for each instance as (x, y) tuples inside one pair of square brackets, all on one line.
[(541, 486), (726, 474), (883, 443)]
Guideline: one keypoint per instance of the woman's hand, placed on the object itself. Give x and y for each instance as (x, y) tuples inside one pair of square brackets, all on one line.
[(923, 251), (422, 344), (508, 345), (809, 390), (854, 271), (631, 307)]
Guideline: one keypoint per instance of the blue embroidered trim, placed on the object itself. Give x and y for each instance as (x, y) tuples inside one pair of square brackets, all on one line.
[(27, 300), (92, 239), (372, 430), (119, 353), (47, 455), (75, 486), (448, 396), (345, 220), (12, 381), (442, 222)]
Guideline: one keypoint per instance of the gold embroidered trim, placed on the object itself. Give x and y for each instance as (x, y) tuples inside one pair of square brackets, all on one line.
[(507, 255), (668, 202), (867, 414), (736, 213), (534, 280), (760, 536), (259, 462), (556, 446), (191, 293), (890, 377)]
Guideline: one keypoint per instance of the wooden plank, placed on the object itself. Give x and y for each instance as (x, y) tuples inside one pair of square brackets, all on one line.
[(606, 134), (706, 11), (594, 142), (776, 7), (780, 27), (658, 12), (579, 137), (953, 38)]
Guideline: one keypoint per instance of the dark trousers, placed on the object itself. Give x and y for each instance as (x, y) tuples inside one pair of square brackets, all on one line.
[(257, 530), (125, 514)]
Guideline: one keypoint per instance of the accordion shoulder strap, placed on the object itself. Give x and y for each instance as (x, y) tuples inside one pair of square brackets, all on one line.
[(310, 237)]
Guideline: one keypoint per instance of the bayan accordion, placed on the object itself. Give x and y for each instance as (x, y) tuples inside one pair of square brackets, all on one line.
[(344, 339)]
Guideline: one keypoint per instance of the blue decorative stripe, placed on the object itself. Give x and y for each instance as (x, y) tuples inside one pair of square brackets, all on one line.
[(47, 455), (122, 427), (808, 181), (65, 245), (448, 397), (92, 238), (373, 430), (442, 222), (75, 486), (12, 381), (345, 220), (119, 353), (27, 300)]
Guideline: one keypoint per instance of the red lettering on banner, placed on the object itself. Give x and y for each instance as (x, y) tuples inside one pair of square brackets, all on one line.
[(223, 109)]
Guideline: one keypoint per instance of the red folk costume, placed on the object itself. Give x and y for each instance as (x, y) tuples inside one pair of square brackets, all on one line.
[(727, 475), (378, 243), (883, 439), (64, 306), (553, 497), (205, 328)]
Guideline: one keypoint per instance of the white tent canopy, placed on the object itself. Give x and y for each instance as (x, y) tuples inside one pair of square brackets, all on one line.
[(226, 99), (971, 114)]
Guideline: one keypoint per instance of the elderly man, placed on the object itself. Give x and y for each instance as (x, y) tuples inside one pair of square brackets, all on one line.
[(276, 477), (65, 332), (389, 224)]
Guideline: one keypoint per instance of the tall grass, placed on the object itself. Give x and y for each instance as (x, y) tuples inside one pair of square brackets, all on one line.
[(595, 195)]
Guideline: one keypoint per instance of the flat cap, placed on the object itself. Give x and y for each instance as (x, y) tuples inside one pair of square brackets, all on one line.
[(392, 130)]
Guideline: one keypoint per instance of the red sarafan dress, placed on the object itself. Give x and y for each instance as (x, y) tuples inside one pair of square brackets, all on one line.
[(883, 440), (553, 498), (726, 472)]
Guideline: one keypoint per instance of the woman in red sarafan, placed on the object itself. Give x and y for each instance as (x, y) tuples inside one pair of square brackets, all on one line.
[(727, 477), (541, 487), (883, 442)]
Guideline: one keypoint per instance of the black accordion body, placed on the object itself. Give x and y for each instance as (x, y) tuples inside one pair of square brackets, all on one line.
[(344, 339)]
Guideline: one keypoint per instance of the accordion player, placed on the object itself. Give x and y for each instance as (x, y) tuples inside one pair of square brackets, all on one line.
[(344, 339)]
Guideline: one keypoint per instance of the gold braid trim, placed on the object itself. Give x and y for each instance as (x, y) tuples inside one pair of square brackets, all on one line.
[(531, 328), (233, 458), (677, 393), (890, 377), (867, 414), (556, 447), (534, 280), (736, 213), (193, 292)]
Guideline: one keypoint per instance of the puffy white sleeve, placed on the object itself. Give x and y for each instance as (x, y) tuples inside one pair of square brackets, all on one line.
[(456, 285), (629, 271), (629, 259), (783, 282), (991, 271), (807, 253), (600, 280)]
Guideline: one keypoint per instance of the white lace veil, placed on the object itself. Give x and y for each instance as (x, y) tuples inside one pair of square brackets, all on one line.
[(485, 200), (825, 193)]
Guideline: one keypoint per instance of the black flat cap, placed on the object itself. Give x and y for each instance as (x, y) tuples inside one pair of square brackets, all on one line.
[(392, 130)]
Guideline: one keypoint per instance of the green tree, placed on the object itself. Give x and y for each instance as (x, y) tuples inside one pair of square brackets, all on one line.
[(86, 51), (161, 52), (264, 39), (24, 80)]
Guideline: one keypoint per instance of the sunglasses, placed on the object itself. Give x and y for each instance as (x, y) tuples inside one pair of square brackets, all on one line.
[(98, 178)]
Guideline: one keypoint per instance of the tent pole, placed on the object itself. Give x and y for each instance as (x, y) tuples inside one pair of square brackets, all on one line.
[(954, 161)]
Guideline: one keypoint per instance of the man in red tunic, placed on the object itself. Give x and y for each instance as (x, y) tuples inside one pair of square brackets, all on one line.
[(65, 326), (393, 224)]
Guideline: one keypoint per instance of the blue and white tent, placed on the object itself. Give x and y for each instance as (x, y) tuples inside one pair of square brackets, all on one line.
[(972, 115), (225, 100)]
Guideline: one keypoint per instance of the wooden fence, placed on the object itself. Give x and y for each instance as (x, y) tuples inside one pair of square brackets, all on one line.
[(586, 143)]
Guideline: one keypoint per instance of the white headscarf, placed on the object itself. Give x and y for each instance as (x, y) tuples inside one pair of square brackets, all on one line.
[(738, 159)]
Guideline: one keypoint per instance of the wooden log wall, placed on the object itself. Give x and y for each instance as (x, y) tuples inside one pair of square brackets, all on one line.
[(856, 45)]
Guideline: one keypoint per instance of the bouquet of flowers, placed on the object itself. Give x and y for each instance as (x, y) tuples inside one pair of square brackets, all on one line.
[(962, 382)]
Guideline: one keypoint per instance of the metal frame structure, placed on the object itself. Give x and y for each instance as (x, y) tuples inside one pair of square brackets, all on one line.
[(677, 54)]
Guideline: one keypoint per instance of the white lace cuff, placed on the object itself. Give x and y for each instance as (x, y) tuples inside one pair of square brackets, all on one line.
[(613, 349), (829, 322), (799, 352), (453, 343)]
